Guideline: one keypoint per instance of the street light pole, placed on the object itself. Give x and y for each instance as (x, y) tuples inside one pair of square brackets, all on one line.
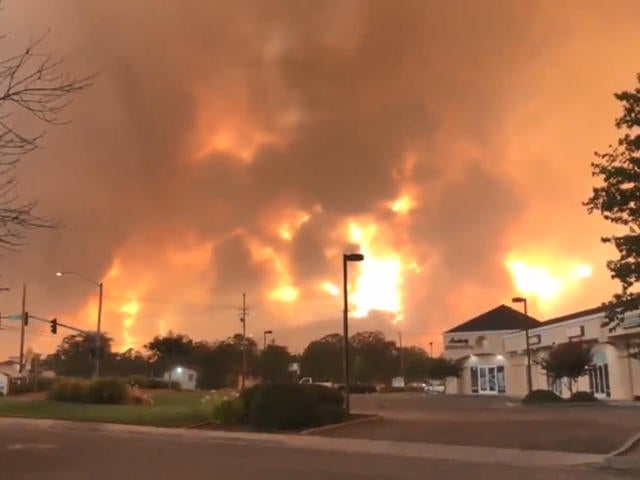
[(99, 337), (523, 300), (346, 258), (98, 340)]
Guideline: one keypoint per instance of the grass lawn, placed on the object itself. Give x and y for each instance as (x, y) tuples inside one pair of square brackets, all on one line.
[(170, 409)]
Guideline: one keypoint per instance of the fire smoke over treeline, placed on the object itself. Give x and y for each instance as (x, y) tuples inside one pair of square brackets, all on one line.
[(243, 146)]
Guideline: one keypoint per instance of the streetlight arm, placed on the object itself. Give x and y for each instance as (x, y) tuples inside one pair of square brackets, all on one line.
[(79, 275)]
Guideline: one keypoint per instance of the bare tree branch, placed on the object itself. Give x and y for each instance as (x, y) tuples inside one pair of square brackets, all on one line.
[(35, 84)]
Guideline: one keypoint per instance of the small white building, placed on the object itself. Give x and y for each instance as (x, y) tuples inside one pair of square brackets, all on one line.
[(4, 384), (185, 377)]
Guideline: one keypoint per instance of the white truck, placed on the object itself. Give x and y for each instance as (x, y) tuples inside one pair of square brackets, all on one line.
[(309, 381)]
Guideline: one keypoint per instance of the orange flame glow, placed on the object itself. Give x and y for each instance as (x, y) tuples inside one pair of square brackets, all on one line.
[(378, 286), (544, 279)]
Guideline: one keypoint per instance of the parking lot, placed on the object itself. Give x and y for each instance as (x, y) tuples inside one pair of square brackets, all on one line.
[(493, 422)]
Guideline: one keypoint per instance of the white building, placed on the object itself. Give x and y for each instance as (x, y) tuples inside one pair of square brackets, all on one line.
[(492, 349), (186, 377)]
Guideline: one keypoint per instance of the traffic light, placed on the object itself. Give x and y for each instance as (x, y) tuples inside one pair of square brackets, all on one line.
[(54, 326), (26, 318)]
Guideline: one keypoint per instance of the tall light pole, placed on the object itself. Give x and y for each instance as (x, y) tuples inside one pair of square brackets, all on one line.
[(266, 332), (346, 258), (100, 286), (523, 300)]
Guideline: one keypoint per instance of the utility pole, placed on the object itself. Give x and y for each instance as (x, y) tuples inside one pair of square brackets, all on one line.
[(96, 373), (24, 319), (401, 355), (431, 349), (243, 319)]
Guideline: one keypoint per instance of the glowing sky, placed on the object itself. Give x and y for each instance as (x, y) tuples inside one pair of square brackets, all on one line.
[(231, 147)]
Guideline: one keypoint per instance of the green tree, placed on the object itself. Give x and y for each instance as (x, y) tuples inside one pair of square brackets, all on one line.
[(322, 359), (169, 350), (73, 357), (416, 363), (568, 361), (617, 199), (376, 358), (442, 369), (273, 363), (129, 362)]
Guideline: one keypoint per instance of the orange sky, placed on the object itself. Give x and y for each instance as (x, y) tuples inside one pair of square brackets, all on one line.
[(243, 148)]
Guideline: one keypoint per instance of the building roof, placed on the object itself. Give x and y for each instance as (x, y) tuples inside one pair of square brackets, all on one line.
[(502, 317), (574, 315)]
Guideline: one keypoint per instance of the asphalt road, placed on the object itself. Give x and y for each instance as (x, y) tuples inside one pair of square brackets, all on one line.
[(493, 422), (57, 454)]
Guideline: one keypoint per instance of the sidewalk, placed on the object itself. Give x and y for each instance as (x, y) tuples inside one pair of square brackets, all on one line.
[(467, 454)]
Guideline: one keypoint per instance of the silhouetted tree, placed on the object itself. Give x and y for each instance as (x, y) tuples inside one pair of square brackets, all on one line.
[(616, 199), (442, 369), (416, 363), (376, 358), (169, 350), (32, 84), (568, 361), (73, 357), (322, 359), (273, 364)]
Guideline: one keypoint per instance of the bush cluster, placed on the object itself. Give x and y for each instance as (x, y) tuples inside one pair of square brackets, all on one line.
[(547, 396), (228, 411), (32, 384), (292, 406), (583, 397), (100, 390), (74, 390)]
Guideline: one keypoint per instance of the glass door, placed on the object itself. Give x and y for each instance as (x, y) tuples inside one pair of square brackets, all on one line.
[(488, 379)]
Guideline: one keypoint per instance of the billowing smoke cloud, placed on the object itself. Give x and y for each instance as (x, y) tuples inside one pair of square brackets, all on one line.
[(212, 123)]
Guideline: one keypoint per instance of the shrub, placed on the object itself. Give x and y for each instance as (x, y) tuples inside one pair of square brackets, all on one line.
[(228, 411), (583, 397), (70, 390), (328, 413), (326, 394), (108, 390), (542, 396), (283, 407), (249, 394)]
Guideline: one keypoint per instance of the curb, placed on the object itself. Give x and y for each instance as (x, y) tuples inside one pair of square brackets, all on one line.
[(335, 426), (617, 460)]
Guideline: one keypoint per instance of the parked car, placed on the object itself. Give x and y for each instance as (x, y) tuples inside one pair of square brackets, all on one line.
[(434, 386)]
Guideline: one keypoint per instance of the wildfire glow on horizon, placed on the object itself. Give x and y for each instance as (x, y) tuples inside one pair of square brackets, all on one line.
[(546, 281)]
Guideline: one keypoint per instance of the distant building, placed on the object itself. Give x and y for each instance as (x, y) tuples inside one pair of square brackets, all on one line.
[(492, 350), (5, 380), (185, 377)]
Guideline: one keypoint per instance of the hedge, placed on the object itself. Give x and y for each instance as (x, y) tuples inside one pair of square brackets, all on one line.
[(542, 396), (292, 406), (583, 397)]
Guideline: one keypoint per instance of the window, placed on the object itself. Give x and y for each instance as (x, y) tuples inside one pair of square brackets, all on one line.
[(487, 379), (599, 376), (191, 377), (474, 379), (501, 381), (555, 385)]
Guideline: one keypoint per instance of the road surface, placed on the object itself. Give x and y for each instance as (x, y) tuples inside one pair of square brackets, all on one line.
[(51, 453)]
